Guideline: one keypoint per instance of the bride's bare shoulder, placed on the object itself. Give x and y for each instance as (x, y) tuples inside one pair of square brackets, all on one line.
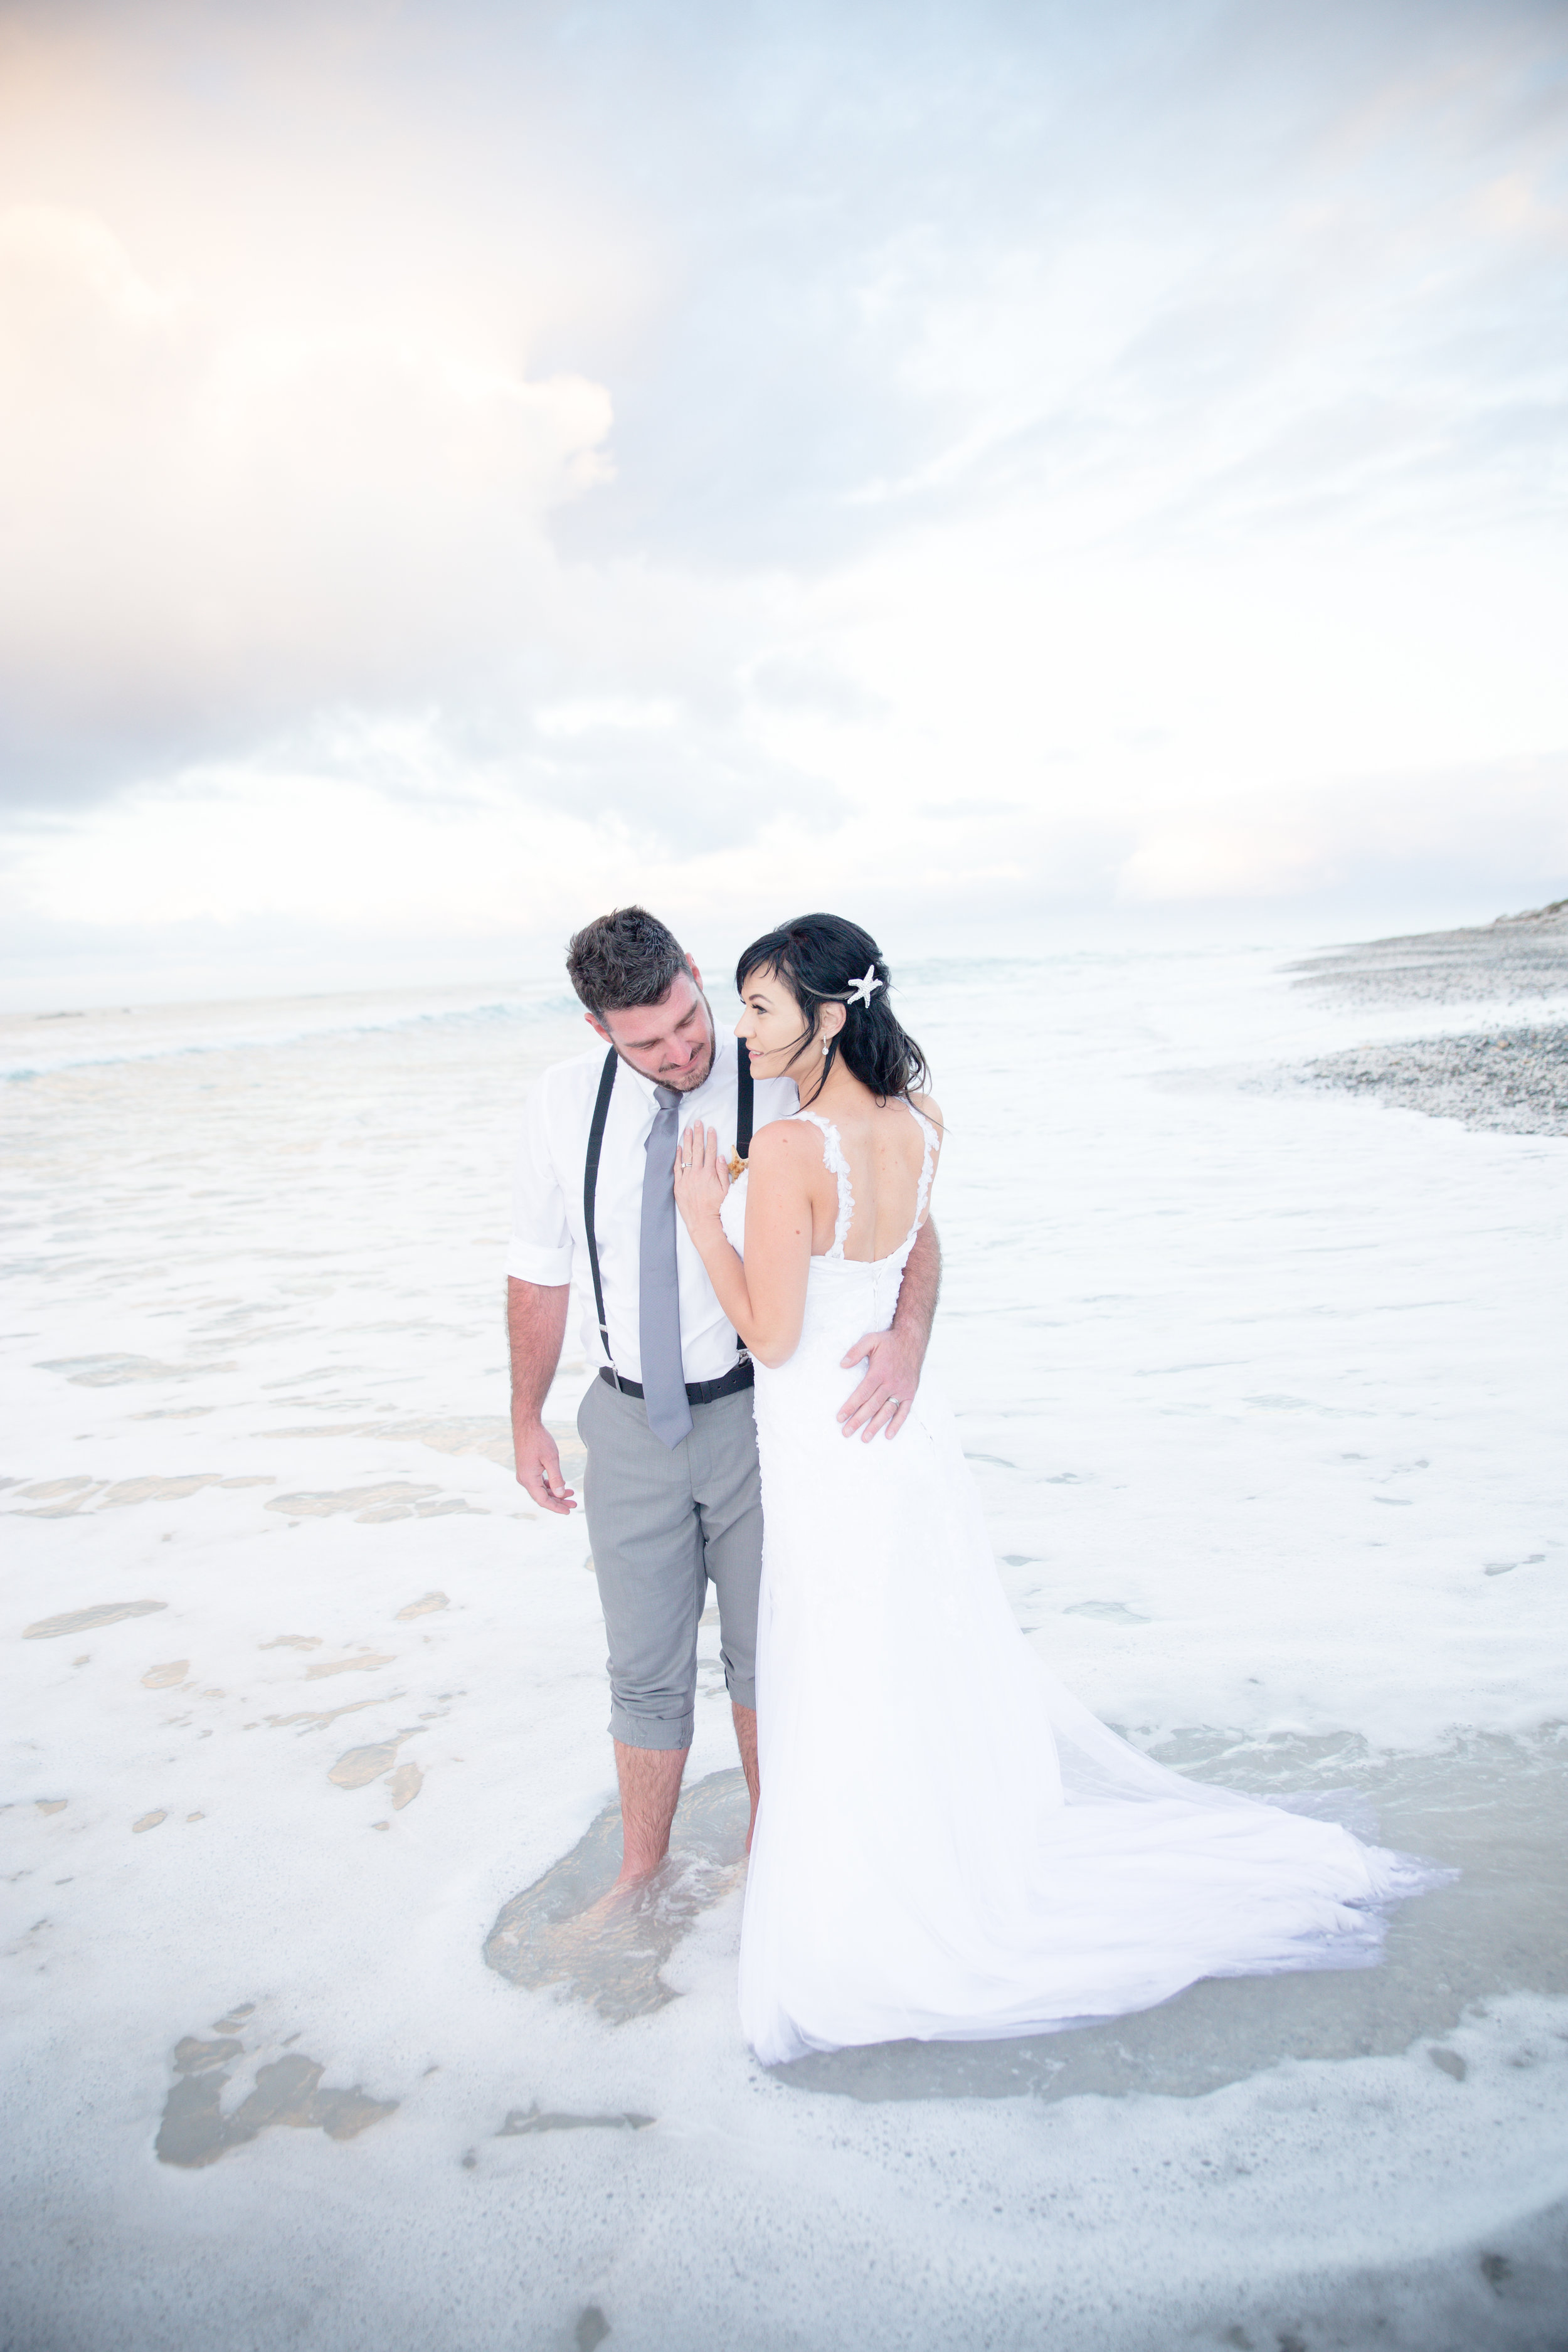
[(929, 1107), (785, 1147)]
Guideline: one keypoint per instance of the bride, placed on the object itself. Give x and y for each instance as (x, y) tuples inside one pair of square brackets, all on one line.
[(949, 1846)]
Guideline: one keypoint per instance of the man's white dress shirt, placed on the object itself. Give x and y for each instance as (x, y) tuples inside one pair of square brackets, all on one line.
[(549, 1243)]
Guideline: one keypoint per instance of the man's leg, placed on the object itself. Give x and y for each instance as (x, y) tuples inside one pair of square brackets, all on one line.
[(746, 1741), (650, 1791), (648, 1556), (728, 1487)]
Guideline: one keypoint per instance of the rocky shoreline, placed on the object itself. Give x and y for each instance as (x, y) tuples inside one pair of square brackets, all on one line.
[(1517, 958), (1512, 1078)]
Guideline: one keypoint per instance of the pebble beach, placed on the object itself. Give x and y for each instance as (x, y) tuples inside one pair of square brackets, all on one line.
[(1511, 1076)]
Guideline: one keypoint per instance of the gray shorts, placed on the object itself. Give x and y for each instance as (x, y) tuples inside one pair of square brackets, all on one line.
[(662, 1523)]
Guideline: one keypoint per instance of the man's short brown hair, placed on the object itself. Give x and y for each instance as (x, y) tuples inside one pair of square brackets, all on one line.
[(624, 959)]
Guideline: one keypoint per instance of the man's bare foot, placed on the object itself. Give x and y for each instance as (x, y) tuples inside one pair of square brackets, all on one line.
[(624, 1898)]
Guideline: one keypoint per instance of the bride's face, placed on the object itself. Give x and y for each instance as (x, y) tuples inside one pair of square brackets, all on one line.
[(781, 1041)]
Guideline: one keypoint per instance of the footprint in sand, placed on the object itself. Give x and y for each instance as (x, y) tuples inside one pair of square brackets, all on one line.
[(196, 2131), (559, 1931), (325, 1714), (83, 1621), (360, 1765)]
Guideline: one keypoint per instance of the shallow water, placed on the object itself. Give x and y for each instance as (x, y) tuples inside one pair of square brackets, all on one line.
[(306, 1711)]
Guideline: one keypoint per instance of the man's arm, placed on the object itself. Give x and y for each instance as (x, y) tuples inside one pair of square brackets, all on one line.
[(893, 1358), (535, 1326)]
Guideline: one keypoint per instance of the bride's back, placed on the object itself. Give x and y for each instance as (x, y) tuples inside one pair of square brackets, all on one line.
[(883, 1151)]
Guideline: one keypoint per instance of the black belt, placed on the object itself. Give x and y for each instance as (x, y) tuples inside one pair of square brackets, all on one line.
[(697, 1392)]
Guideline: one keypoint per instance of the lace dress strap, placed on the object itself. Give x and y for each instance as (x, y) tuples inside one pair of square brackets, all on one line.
[(833, 1159), (927, 1166)]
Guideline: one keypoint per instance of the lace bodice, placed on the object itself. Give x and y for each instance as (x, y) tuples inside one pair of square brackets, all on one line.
[(834, 1160), (843, 1295)]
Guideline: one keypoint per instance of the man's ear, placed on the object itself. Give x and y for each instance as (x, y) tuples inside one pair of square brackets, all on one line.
[(599, 1029), (691, 967)]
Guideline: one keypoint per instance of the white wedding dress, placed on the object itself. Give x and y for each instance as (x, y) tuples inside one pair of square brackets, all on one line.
[(950, 1847)]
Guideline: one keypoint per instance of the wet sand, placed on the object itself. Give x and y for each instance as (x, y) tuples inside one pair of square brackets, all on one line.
[(315, 2034)]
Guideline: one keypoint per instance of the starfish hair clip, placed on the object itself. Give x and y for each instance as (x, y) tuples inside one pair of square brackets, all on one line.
[(861, 991), (737, 1167)]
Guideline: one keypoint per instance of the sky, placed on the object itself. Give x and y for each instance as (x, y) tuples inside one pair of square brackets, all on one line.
[(1012, 473)]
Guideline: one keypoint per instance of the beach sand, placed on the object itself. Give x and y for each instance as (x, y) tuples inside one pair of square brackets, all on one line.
[(307, 1784)]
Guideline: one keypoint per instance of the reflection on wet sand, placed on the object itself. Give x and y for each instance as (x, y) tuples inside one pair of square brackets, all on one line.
[(487, 1435), (62, 1498), (1496, 1808), (517, 2123), (560, 1931), (196, 2131), (114, 1372), (85, 1621)]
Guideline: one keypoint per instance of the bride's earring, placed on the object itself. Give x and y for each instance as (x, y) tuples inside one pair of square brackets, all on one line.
[(825, 1044)]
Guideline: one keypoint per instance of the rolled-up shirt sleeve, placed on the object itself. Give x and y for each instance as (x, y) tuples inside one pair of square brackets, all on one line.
[(541, 1246)]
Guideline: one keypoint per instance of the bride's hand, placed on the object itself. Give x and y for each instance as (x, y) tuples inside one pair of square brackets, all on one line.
[(701, 1176)]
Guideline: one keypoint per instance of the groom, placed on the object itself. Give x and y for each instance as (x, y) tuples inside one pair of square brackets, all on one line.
[(672, 1490)]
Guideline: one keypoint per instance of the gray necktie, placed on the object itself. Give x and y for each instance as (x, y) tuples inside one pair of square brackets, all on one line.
[(658, 1288)]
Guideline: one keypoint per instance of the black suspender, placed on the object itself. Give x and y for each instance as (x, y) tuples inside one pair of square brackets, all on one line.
[(590, 1192), (743, 1117), (742, 1100)]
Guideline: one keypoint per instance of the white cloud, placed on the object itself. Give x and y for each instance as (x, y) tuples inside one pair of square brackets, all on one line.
[(216, 521), (460, 473)]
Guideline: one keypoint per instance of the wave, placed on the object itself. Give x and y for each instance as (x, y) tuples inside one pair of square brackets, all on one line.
[(101, 1039)]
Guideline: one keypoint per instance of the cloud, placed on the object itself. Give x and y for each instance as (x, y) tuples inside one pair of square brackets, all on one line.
[(216, 525), (1001, 455)]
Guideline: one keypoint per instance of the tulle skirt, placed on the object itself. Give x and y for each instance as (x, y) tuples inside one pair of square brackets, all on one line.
[(950, 1846)]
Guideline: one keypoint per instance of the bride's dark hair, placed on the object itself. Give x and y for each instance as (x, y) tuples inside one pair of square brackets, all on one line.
[(819, 958)]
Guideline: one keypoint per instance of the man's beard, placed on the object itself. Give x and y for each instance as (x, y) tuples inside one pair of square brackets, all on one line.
[(694, 1078)]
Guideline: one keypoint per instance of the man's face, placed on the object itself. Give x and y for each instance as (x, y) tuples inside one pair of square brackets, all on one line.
[(670, 1042)]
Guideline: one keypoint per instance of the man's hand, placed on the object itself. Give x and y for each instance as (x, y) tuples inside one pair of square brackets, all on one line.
[(535, 1321), (881, 1404), (539, 1466), (893, 1358)]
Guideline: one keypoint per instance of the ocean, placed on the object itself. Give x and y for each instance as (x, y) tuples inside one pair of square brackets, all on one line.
[(1262, 1385)]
